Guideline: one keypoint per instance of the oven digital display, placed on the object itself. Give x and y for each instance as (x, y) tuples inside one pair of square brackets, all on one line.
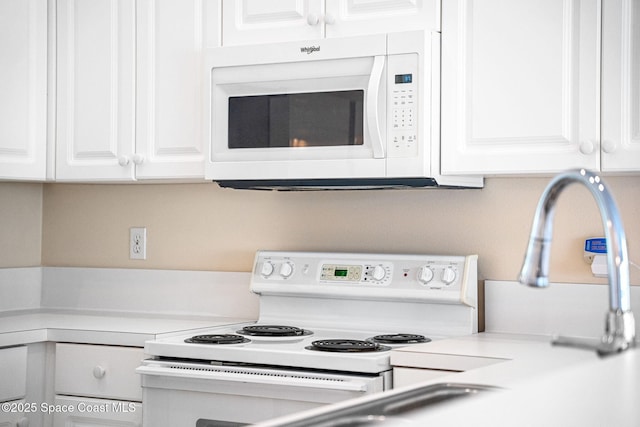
[(341, 273)]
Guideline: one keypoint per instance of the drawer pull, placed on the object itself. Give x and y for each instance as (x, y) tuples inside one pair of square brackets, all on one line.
[(99, 372)]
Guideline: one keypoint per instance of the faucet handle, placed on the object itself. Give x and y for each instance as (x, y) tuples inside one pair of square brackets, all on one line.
[(619, 336)]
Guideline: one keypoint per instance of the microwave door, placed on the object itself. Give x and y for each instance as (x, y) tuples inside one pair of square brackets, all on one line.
[(300, 120)]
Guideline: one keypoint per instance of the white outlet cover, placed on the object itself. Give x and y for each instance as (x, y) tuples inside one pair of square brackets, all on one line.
[(138, 243)]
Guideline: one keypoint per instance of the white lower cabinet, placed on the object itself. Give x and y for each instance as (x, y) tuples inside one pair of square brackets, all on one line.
[(97, 385), (13, 381), (13, 414), (70, 411)]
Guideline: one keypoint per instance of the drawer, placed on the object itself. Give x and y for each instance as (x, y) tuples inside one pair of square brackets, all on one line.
[(98, 371), (96, 412), (13, 373)]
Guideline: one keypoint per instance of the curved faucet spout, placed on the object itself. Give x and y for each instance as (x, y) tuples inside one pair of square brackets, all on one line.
[(620, 325)]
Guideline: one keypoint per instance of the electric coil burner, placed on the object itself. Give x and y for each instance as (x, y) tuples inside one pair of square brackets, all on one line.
[(346, 346), (217, 339), (273, 331), (400, 339), (350, 311)]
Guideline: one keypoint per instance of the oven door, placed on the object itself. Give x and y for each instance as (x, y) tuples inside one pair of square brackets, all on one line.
[(201, 394), (313, 115)]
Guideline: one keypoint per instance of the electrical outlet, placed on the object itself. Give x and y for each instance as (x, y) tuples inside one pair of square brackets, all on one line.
[(138, 243)]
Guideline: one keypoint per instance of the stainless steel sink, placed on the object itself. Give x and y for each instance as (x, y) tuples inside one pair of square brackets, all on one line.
[(393, 409)]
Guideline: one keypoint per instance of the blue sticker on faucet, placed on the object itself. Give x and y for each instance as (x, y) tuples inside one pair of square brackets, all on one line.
[(596, 246)]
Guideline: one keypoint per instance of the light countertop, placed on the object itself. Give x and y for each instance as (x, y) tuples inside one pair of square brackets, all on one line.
[(542, 384), (117, 306), (114, 328)]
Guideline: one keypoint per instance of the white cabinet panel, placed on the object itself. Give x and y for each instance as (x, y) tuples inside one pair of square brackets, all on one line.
[(129, 88), (96, 413), (260, 21), (98, 371), (96, 89), (361, 17), (621, 85), (23, 85), (270, 21), (519, 86), (13, 372), (15, 416), (171, 37)]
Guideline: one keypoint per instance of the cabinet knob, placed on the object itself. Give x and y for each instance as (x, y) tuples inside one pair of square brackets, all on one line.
[(138, 159), (99, 372), (587, 147), (313, 19), (22, 422), (329, 19), (123, 160), (609, 146)]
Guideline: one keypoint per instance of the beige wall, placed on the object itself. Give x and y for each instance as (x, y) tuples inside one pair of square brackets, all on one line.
[(20, 224), (201, 226)]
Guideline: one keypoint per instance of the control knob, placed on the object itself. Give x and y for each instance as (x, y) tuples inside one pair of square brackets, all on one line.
[(286, 269), (448, 275), (378, 272), (425, 275), (267, 269)]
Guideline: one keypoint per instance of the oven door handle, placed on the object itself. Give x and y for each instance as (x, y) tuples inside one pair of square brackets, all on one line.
[(373, 115), (263, 377)]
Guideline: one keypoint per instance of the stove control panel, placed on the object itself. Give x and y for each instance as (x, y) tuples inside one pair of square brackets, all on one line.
[(443, 279), (374, 273)]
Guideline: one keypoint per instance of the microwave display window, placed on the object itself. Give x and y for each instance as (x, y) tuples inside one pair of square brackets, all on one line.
[(317, 119)]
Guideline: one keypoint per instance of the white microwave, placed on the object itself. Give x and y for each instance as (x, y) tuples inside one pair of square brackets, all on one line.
[(359, 112)]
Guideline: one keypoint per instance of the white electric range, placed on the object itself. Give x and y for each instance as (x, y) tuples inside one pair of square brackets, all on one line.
[(326, 326)]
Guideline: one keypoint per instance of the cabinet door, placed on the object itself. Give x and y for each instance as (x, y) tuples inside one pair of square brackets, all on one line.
[(171, 37), (96, 89), (84, 412), (519, 86), (15, 416), (361, 17), (621, 85), (23, 85), (260, 21)]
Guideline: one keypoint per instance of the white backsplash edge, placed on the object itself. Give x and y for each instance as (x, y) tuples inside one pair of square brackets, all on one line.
[(20, 288), (139, 291), (566, 309), (166, 292)]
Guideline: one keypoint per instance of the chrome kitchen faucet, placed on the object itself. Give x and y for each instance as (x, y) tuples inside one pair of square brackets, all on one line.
[(620, 325)]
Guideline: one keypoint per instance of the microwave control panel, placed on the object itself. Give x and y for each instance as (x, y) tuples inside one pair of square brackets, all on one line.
[(403, 83)]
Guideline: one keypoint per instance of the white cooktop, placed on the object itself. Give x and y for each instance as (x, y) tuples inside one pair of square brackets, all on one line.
[(280, 351)]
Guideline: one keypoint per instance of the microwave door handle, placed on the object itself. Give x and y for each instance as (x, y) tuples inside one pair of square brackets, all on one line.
[(373, 117)]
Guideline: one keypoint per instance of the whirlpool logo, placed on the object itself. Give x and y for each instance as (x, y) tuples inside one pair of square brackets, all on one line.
[(309, 49)]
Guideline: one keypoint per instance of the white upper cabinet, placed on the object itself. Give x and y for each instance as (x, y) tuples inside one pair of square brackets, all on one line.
[(129, 79), (170, 73), (23, 89), (621, 85), (268, 21), (520, 86), (96, 89)]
